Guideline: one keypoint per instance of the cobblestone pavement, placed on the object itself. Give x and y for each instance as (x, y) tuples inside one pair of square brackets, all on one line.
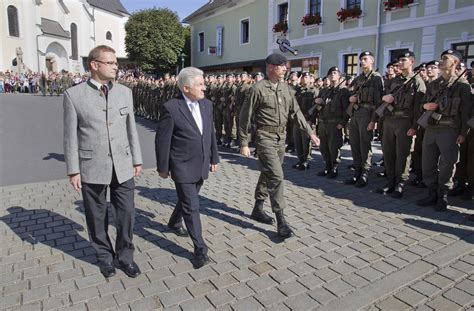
[(353, 249)]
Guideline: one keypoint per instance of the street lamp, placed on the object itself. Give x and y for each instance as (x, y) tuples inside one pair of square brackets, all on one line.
[(182, 56)]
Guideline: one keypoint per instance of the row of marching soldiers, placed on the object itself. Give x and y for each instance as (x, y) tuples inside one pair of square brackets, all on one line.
[(425, 118)]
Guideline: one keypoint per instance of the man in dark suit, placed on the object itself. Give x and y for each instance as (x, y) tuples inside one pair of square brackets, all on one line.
[(186, 148), (102, 151)]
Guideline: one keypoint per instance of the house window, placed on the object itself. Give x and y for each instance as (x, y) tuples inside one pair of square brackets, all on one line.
[(244, 31), (74, 41), (283, 13), (108, 36), (350, 4), (201, 42), (350, 64), (395, 53), (13, 27), (467, 51), (315, 7)]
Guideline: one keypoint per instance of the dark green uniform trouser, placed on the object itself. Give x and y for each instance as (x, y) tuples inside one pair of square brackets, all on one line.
[(416, 155), (302, 144), (218, 121), (440, 154), (361, 142), (330, 143), (271, 152), (465, 166), (396, 148), (228, 124)]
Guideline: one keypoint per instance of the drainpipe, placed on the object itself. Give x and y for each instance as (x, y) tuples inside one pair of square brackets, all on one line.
[(93, 23), (38, 51), (377, 35)]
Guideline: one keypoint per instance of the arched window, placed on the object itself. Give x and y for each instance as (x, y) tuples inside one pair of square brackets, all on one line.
[(74, 42), (108, 36), (13, 27)]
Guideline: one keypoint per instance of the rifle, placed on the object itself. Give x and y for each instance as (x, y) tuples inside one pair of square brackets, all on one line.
[(380, 111), (431, 114), (352, 106), (318, 107)]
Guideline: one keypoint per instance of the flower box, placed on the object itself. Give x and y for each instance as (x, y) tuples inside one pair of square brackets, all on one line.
[(280, 27), (344, 14), (311, 19), (396, 4)]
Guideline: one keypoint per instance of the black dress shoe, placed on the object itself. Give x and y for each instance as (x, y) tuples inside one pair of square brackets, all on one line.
[(332, 173), (130, 269), (296, 165), (107, 269), (381, 174), (179, 231), (304, 166), (387, 188), (322, 173), (362, 181), (200, 261)]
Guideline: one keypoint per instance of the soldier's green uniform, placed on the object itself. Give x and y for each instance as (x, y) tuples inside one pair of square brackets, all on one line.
[(219, 110), (330, 114), (305, 96), (228, 113), (271, 106), (396, 143), (440, 151), (241, 94), (370, 90)]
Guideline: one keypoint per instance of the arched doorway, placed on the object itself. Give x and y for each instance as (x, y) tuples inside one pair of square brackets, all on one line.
[(56, 58)]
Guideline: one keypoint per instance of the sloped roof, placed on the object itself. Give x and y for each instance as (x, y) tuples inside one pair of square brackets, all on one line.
[(112, 6), (51, 27), (211, 5)]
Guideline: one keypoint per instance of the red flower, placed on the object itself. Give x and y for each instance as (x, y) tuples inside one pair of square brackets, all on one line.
[(280, 27), (343, 14), (396, 4), (310, 19)]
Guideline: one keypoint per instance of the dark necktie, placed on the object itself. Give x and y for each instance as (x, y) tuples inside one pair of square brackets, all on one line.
[(105, 90)]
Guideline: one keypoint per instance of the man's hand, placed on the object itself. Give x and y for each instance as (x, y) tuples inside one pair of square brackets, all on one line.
[(245, 151), (164, 175), (411, 132), (460, 140), (137, 169), (388, 98), (75, 181), (371, 126), (353, 99), (319, 101), (315, 139), (430, 106), (213, 168), (339, 126)]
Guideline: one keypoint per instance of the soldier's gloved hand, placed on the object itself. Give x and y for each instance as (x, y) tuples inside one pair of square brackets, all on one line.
[(388, 98), (353, 99), (245, 151), (430, 106)]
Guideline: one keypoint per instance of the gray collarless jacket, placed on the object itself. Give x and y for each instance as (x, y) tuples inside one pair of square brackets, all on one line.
[(100, 133)]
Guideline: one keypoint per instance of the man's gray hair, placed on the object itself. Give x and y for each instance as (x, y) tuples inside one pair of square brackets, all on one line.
[(187, 75)]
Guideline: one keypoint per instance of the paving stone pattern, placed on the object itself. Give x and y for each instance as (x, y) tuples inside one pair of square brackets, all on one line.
[(353, 249)]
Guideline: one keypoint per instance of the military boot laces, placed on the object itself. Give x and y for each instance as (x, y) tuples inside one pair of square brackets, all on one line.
[(442, 203), (430, 200), (283, 229), (258, 214)]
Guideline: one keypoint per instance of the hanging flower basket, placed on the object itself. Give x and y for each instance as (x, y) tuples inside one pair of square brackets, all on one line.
[(280, 27), (344, 14), (396, 4), (311, 19)]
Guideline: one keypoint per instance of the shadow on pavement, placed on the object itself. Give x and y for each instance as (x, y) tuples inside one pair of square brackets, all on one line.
[(56, 156)]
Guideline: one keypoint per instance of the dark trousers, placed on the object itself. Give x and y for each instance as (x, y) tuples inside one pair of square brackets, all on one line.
[(96, 211), (187, 209)]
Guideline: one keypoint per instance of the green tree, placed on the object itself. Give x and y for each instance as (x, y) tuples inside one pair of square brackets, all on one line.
[(154, 39)]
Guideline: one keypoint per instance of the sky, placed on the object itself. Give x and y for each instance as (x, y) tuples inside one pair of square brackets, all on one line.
[(183, 7)]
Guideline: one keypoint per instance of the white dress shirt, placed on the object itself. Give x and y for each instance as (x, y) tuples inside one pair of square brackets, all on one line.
[(195, 111)]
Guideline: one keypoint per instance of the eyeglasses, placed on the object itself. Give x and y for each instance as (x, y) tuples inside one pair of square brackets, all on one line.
[(106, 63)]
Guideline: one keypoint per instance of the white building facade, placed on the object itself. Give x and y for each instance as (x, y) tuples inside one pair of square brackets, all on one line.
[(55, 35)]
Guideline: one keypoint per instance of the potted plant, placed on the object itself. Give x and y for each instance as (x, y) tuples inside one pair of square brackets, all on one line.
[(396, 4), (343, 14), (311, 19), (281, 27)]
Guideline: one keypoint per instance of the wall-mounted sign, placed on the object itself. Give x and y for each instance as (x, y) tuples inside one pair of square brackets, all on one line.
[(219, 38), (211, 50)]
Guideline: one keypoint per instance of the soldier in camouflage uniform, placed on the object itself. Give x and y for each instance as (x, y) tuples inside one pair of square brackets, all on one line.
[(330, 111), (219, 107), (229, 96), (369, 86), (240, 96), (272, 103), (400, 124), (451, 100)]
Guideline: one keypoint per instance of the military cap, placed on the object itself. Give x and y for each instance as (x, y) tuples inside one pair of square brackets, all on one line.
[(333, 68), (220, 75), (420, 66), (454, 53), (244, 73), (366, 53), (390, 64), (472, 64), (211, 75), (276, 59), (406, 54), (258, 74), (432, 63), (230, 75), (306, 74)]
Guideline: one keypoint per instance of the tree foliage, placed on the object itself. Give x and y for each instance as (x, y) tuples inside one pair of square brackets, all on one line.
[(154, 38)]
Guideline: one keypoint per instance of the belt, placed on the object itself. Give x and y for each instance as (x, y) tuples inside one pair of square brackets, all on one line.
[(272, 129), (330, 120), (445, 121), (398, 113)]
